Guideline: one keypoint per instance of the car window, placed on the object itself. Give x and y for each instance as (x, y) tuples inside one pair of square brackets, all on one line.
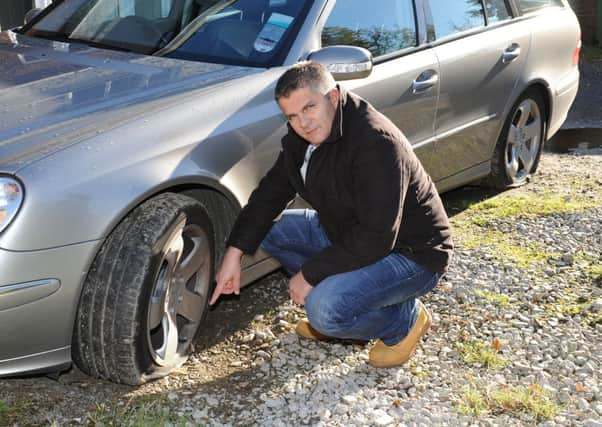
[(240, 32), (526, 6), (497, 10), (381, 27), (454, 16)]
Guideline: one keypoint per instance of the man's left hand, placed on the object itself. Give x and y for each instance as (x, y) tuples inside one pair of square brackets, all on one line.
[(299, 288)]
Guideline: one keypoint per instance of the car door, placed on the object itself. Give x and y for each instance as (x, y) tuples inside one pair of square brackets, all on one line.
[(480, 57), (403, 83)]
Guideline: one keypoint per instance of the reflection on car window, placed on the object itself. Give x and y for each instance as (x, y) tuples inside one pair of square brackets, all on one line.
[(454, 16), (241, 32), (249, 31), (497, 10), (533, 5), (151, 9), (148, 9), (381, 27), (123, 24)]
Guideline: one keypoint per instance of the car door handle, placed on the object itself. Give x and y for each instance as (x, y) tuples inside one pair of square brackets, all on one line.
[(511, 53), (425, 81)]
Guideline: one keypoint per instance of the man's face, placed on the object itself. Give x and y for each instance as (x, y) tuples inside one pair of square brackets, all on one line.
[(310, 113)]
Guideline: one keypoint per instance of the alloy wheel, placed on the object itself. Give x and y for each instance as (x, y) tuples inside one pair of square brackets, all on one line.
[(178, 294), (524, 139)]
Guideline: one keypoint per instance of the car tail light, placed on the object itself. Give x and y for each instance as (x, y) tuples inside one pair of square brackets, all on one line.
[(577, 50)]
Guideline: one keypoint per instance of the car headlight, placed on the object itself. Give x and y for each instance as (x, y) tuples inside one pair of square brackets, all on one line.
[(11, 197)]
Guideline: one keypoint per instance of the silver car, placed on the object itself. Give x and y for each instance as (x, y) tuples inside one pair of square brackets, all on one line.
[(131, 133)]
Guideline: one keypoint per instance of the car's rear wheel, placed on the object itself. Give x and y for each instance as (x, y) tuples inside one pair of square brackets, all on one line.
[(147, 291), (519, 147)]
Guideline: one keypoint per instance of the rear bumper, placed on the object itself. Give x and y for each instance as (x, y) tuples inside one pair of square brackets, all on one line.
[(39, 293), (564, 95)]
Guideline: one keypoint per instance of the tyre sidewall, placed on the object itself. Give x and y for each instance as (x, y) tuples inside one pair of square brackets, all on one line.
[(194, 213)]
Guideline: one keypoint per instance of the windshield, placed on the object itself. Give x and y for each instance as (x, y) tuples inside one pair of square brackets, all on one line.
[(240, 32)]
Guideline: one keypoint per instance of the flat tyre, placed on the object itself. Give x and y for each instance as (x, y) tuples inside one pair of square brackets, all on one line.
[(146, 294)]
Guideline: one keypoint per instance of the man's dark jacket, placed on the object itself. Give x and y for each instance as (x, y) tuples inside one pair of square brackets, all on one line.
[(371, 193)]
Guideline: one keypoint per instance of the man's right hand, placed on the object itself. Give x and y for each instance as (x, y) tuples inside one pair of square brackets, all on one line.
[(228, 276)]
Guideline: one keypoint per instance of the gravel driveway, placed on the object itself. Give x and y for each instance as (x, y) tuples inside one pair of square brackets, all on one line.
[(516, 340)]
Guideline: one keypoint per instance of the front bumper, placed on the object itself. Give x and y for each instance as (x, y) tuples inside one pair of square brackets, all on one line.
[(39, 293)]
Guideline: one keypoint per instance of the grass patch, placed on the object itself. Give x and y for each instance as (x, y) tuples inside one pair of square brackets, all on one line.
[(526, 255), (416, 370), (575, 302), (476, 225), (504, 246), (482, 213), (531, 400), (473, 403), (476, 352), (493, 297), (517, 401), (4, 410), (591, 265), (571, 305), (507, 205), (595, 270), (15, 412), (138, 413)]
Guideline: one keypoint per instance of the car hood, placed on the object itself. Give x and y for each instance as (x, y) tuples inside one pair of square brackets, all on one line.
[(55, 94)]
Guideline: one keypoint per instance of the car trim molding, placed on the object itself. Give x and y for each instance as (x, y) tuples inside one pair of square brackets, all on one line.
[(22, 293), (459, 129)]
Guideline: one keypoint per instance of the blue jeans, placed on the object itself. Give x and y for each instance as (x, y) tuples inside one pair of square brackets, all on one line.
[(376, 301)]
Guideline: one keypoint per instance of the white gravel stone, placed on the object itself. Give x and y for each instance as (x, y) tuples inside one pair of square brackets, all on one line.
[(381, 418), (582, 404)]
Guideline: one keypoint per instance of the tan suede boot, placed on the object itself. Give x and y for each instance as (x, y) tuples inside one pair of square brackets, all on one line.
[(305, 330), (384, 356)]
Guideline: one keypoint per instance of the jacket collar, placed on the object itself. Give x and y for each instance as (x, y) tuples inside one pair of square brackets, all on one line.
[(336, 132)]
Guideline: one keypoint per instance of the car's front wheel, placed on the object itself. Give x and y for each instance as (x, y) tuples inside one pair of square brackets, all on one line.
[(146, 293), (519, 147)]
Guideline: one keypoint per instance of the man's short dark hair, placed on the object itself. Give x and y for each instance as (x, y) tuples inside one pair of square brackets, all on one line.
[(303, 74)]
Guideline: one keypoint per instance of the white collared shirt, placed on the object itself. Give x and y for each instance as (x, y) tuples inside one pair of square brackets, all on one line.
[(310, 149)]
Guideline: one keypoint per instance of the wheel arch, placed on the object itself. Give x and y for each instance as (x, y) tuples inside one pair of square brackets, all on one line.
[(209, 191)]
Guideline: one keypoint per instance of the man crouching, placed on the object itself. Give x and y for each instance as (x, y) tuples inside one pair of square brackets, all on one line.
[(377, 237)]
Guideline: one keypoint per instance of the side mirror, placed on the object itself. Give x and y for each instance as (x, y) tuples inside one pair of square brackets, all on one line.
[(345, 62), (32, 13)]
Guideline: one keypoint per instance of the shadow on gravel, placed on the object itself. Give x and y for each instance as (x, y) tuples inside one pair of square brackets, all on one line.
[(234, 313), (460, 199), (568, 140)]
